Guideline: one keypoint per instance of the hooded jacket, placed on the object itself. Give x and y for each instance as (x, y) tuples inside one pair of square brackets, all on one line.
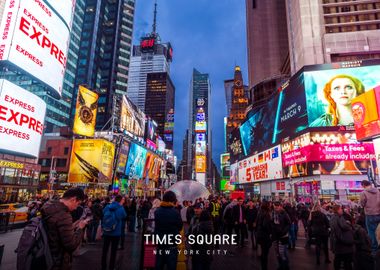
[(120, 216), (370, 200), (63, 239)]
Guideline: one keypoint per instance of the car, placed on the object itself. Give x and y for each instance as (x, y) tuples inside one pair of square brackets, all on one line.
[(20, 210)]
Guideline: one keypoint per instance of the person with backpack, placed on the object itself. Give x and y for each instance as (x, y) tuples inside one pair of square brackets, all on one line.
[(319, 225), (113, 216), (62, 237)]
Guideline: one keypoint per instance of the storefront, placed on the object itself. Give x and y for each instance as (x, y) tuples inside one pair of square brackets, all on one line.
[(18, 180)]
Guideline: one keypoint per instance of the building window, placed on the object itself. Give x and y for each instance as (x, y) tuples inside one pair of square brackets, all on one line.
[(253, 4), (49, 151), (66, 151), (61, 162)]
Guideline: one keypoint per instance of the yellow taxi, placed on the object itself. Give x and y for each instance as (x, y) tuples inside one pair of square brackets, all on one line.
[(20, 210)]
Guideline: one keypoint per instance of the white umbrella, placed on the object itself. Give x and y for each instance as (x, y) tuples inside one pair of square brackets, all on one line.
[(188, 190)]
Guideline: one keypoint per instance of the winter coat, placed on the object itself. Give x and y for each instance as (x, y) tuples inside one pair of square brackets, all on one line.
[(251, 216), (63, 239), (319, 224), (342, 235), (280, 224), (97, 211), (120, 217), (167, 221), (264, 228), (202, 228), (370, 200), (236, 213)]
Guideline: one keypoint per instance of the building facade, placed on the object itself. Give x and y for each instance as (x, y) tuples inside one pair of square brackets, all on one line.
[(199, 136), (159, 104), (267, 39), (327, 31)]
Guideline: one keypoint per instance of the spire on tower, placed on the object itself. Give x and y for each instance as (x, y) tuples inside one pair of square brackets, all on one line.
[(155, 18)]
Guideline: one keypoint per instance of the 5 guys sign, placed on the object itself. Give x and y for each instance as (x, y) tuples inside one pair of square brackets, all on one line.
[(34, 35), (263, 166), (21, 120)]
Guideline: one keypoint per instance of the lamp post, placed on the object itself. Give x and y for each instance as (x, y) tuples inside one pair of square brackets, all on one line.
[(52, 172)]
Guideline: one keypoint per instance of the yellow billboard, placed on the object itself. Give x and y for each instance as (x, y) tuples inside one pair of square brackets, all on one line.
[(91, 161), (200, 164), (85, 112)]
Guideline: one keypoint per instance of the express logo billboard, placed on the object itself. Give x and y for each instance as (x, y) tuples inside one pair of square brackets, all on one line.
[(35, 38), (21, 120)]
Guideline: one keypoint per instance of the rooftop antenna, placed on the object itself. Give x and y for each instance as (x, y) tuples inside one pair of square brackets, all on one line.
[(155, 18)]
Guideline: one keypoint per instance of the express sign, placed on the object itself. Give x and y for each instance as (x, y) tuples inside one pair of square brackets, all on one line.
[(35, 37), (21, 120)]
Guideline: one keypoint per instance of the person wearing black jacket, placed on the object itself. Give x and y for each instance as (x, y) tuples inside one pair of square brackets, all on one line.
[(319, 225), (238, 217), (202, 260), (251, 216), (264, 227), (167, 222), (280, 235)]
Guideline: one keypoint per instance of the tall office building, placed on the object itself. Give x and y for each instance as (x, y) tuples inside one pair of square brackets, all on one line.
[(159, 104), (239, 104), (199, 136), (267, 39), (327, 31), (58, 110), (105, 46)]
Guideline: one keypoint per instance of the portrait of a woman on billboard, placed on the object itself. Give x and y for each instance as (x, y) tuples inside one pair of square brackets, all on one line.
[(339, 92)]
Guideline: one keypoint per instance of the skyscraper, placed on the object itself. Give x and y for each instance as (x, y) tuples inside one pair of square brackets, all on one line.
[(267, 39), (332, 31), (105, 46), (199, 137)]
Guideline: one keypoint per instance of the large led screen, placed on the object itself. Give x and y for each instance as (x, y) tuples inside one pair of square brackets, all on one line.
[(35, 37), (136, 161), (329, 93), (85, 112), (132, 118)]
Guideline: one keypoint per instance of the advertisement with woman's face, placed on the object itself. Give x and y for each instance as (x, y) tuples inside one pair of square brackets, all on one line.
[(329, 93)]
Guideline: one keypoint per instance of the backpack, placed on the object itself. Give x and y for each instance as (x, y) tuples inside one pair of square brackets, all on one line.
[(109, 221), (33, 247)]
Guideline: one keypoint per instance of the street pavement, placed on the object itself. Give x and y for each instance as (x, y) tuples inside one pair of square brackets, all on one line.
[(129, 258)]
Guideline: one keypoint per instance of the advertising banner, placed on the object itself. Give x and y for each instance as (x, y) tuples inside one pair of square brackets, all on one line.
[(200, 148), (151, 130), (155, 168), (329, 93), (91, 161), (225, 164), (136, 161), (234, 173), (36, 38), (123, 156), (225, 185), (200, 126), (263, 166), (148, 162), (200, 137), (22, 117), (132, 119), (200, 164), (235, 146), (85, 112)]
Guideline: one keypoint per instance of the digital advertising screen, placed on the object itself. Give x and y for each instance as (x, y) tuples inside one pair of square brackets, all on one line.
[(85, 112), (35, 38), (22, 117), (225, 164), (200, 148), (199, 137), (136, 162), (132, 119), (123, 156), (200, 126), (234, 173), (150, 130), (235, 145), (329, 93), (91, 161), (225, 185), (200, 164)]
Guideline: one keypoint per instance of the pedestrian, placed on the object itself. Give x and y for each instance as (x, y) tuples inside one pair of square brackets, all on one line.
[(123, 223), (132, 210), (370, 201), (155, 205), (113, 215), (167, 222), (342, 239), (189, 211), (202, 259), (251, 216), (97, 214), (362, 256), (377, 255), (215, 214), (319, 225), (238, 216), (264, 228), (63, 237), (293, 230), (198, 208)]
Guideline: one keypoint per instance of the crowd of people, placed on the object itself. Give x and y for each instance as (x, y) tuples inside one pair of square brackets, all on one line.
[(351, 233)]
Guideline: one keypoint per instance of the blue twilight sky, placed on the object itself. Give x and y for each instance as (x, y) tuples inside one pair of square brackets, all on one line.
[(209, 35)]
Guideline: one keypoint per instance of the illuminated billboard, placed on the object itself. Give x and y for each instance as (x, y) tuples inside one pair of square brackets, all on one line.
[(132, 119), (329, 93), (200, 148), (225, 164), (200, 164), (85, 112), (266, 165), (150, 130), (123, 156), (22, 117), (136, 162), (225, 185), (199, 137), (35, 37), (200, 126), (234, 172), (91, 161)]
